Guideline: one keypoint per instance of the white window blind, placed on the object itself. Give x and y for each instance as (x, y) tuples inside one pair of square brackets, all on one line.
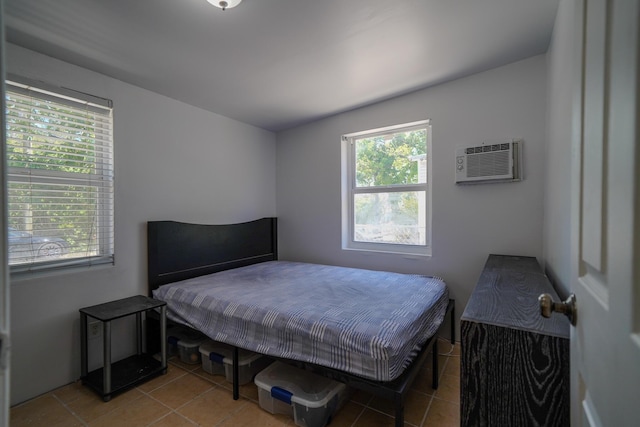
[(60, 178)]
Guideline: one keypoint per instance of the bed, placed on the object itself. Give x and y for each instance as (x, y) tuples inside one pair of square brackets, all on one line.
[(226, 281)]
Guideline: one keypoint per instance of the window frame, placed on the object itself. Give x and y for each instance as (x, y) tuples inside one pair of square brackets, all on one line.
[(350, 190), (102, 180)]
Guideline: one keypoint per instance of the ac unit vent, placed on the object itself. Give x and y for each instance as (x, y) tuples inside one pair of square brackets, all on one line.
[(497, 162)]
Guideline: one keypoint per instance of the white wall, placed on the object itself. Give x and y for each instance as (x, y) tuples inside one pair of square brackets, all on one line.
[(557, 190), (172, 161), (469, 222)]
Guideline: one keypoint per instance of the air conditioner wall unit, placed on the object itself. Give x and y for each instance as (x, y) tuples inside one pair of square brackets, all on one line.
[(490, 162)]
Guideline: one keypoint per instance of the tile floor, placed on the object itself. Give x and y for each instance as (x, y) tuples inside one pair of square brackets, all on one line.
[(188, 396)]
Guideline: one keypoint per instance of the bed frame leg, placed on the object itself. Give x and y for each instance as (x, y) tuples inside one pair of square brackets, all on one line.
[(236, 386), (399, 412), (435, 364), (453, 322)]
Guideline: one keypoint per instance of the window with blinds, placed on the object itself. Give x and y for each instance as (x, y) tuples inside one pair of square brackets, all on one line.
[(60, 178)]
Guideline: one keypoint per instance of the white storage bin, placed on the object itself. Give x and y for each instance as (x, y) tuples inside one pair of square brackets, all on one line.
[(185, 343), (174, 333), (217, 359), (310, 399), (189, 350)]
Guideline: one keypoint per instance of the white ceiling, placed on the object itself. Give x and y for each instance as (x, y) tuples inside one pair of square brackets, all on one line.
[(280, 63)]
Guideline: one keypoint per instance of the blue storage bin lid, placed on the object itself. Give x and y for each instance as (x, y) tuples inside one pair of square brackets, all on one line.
[(223, 353)]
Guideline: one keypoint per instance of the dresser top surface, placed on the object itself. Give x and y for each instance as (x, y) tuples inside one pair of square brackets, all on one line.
[(506, 294)]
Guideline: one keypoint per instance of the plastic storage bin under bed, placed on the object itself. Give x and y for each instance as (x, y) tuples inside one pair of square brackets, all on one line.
[(217, 359), (310, 399), (185, 343)]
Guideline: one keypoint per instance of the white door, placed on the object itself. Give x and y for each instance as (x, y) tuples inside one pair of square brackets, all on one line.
[(4, 274), (605, 344)]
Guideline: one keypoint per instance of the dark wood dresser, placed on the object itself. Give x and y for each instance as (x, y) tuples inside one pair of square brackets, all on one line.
[(515, 363)]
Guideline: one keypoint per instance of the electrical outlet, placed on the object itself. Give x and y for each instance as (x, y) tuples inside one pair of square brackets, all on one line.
[(95, 329)]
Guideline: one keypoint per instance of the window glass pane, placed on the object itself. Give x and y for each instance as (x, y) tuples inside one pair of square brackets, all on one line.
[(53, 221), (50, 136), (60, 180), (391, 159), (392, 217)]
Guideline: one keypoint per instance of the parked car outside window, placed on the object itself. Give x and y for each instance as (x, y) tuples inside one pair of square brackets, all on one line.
[(25, 247)]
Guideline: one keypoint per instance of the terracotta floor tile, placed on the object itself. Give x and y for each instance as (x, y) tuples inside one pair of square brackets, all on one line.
[(424, 381), (362, 397), (371, 418), (443, 414), (449, 388), (253, 416), (173, 372), (216, 379), (445, 347), (89, 406), (457, 349), (212, 407), (182, 390), (347, 415), (140, 412), (415, 406), (453, 366), (442, 361), (70, 392), (382, 405), (45, 411), (172, 420), (186, 366), (249, 390)]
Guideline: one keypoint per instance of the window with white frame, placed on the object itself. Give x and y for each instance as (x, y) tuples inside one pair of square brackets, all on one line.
[(59, 153), (386, 189)]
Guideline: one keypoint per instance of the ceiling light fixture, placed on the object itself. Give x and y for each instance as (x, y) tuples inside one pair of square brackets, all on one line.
[(224, 5)]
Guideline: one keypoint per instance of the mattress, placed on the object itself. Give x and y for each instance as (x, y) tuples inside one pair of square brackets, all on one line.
[(368, 323)]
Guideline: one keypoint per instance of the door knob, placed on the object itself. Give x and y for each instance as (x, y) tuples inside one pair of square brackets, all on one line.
[(568, 307)]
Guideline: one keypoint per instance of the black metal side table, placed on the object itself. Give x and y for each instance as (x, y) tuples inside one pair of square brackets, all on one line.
[(116, 377)]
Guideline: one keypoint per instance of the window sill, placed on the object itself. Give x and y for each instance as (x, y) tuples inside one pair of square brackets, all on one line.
[(21, 273), (424, 253)]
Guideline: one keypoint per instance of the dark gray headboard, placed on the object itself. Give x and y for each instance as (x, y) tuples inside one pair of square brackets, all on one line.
[(178, 251)]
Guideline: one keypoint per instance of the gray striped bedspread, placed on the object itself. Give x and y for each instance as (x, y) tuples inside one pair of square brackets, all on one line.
[(368, 323)]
